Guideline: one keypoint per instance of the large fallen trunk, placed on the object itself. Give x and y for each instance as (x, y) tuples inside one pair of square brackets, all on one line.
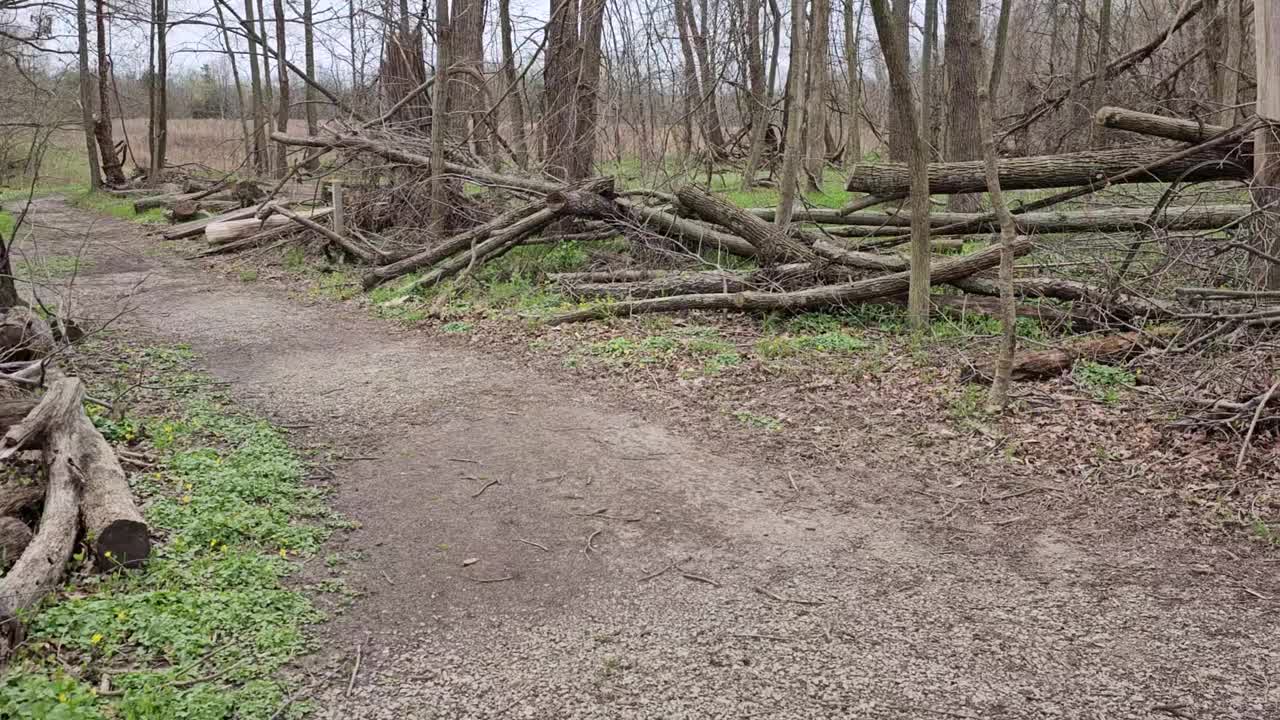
[(651, 284), (1118, 219), (1050, 363), (39, 568), (142, 205), (800, 300), (772, 244), (1161, 126), (1121, 306), (1052, 171), (197, 227)]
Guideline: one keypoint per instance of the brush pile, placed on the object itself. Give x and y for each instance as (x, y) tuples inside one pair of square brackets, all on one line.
[(63, 484), (1167, 270)]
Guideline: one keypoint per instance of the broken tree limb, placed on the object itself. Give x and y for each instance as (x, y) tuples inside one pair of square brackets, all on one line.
[(364, 254), (54, 408), (772, 244), (1121, 306), (1189, 131), (810, 299), (1094, 167), (497, 245), (360, 143), (15, 497), (40, 566), (13, 410), (197, 227), (1050, 363)]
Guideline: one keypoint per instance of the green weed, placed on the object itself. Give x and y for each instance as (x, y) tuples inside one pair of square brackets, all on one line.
[(456, 327), (755, 420), (1104, 382), (780, 346)]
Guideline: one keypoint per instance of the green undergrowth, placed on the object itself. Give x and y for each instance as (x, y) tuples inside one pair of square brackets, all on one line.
[(117, 207), (203, 629)]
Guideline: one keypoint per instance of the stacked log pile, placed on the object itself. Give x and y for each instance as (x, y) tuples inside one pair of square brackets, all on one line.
[(81, 496)]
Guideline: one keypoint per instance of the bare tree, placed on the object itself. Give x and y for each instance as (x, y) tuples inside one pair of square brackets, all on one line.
[(964, 140), (255, 80), (112, 171), (515, 102), (759, 108), (998, 398), (86, 92), (816, 95), (791, 154), (852, 42), (159, 122), (895, 58), (899, 137), (1100, 66), (309, 50), (282, 114)]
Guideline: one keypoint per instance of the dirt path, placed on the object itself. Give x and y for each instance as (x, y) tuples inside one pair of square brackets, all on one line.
[(782, 606)]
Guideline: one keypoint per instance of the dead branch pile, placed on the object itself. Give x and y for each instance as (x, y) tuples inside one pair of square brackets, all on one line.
[(81, 494), (1153, 260)]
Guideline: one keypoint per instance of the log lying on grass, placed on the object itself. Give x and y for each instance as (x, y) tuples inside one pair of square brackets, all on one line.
[(800, 300), (116, 531), (1052, 171), (1188, 131)]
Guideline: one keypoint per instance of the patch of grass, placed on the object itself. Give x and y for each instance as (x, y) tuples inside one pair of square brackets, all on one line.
[(833, 342), (756, 420), (456, 327), (1104, 382), (203, 628), (248, 275), (1264, 532), (116, 207), (337, 284), (294, 258), (52, 267), (720, 362), (969, 405)]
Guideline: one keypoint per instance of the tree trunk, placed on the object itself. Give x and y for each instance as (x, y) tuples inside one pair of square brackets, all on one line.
[(235, 76), (560, 77), (1266, 158), (309, 48), (112, 171), (759, 111), (439, 106), (160, 122), (919, 180), (1188, 131), (1048, 171), (999, 395), (964, 141), (268, 93), (14, 538), (1231, 69), (255, 78), (515, 103), (1100, 65), (852, 61), (900, 140), (815, 150), (1077, 66), (771, 242), (465, 90), (86, 95), (282, 114), (795, 115), (928, 50), (583, 160)]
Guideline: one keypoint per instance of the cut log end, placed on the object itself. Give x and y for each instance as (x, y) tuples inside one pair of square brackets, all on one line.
[(122, 543)]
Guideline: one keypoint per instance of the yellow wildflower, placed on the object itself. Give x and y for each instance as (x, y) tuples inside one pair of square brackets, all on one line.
[(97, 638)]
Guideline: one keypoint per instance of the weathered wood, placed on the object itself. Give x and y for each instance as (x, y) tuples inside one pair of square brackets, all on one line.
[(800, 300), (1050, 171), (1266, 23), (231, 230), (1161, 126), (15, 497), (13, 410), (41, 565), (57, 404), (197, 227), (1115, 304), (142, 205), (14, 538), (364, 254), (24, 335), (183, 211), (1118, 219), (772, 243), (115, 529), (1049, 363)]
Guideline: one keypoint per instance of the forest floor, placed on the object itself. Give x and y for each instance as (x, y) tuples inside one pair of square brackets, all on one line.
[(538, 541)]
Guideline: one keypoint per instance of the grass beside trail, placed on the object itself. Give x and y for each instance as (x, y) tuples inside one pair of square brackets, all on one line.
[(203, 629)]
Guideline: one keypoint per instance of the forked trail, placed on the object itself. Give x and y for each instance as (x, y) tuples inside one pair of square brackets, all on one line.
[(623, 570)]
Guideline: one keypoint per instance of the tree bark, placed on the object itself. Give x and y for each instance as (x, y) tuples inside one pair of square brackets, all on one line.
[(515, 103), (900, 139), (464, 90), (772, 243), (919, 180), (1189, 131), (1048, 171), (282, 113), (117, 532), (160, 121), (795, 115), (86, 94), (759, 110), (588, 88), (852, 61), (14, 538), (964, 141), (112, 171), (439, 123), (309, 50), (560, 78), (815, 116), (255, 79), (1100, 65), (998, 398)]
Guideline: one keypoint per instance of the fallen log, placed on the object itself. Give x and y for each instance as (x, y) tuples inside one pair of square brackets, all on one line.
[(24, 335), (249, 242), (142, 205), (1052, 171), (651, 284), (14, 538), (497, 245), (40, 566), (809, 299), (365, 254), (58, 404), (772, 244), (197, 227), (1120, 219), (227, 231), (12, 411), (183, 211), (15, 498), (1122, 306), (1189, 131), (113, 526), (1043, 364)]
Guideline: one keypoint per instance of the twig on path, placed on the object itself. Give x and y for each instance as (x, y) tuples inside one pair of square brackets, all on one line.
[(540, 546), (1174, 709), (485, 487), (591, 537), (463, 460), (355, 669), (504, 578), (758, 636), (699, 578), (653, 575), (357, 457), (385, 576), (779, 598)]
